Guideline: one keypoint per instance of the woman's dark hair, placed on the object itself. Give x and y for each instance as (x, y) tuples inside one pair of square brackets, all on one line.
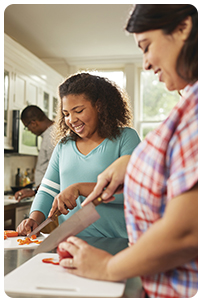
[(167, 17), (111, 102)]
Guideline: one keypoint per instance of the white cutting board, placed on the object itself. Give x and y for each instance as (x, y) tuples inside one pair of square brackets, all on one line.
[(37, 279), (11, 242)]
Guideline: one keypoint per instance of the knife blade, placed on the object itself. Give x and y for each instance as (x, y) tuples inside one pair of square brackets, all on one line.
[(72, 226), (46, 222)]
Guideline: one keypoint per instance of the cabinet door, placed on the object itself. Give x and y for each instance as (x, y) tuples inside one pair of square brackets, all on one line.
[(49, 105), (46, 104), (21, 213), (8, 95), (31, 93), (20, 91), (6, 101)]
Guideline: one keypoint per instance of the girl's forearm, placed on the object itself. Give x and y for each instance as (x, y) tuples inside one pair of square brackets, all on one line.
[(85, 188), (38, 216)]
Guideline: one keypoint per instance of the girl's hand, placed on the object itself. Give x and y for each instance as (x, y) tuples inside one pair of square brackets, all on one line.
[(87, 260), (112, 180), (26, 226), (65, 200)]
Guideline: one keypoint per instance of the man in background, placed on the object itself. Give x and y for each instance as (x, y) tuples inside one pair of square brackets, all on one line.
[(35, 120)]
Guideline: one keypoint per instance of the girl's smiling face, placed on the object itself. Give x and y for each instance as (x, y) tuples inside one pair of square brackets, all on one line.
[(80, 115), (160, 53)]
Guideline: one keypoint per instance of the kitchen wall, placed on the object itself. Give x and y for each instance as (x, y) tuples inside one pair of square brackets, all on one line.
[(11, 163)]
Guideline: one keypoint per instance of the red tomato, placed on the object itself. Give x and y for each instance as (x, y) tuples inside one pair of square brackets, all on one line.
[(63, 254)]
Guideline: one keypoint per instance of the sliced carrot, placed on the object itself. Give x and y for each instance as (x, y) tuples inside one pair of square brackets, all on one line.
[(5, 236), (27, 241), (11, 233), (33, 237)]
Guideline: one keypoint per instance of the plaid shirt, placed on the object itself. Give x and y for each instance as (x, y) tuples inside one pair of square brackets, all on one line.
[(162, 167)]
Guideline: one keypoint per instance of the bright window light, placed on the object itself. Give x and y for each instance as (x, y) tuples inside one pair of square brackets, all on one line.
[(116, 76)]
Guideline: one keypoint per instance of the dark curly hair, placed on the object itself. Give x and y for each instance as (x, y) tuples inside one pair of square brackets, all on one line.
[(112, 104), (167, 17)]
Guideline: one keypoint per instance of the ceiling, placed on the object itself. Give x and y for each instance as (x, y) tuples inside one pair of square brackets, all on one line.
[(73, 34)]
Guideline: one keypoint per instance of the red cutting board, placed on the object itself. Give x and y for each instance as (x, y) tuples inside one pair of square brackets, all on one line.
[(37, 279)]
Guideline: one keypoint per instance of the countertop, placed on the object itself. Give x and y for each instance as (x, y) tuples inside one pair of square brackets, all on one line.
[(10, 202), (133, 289)]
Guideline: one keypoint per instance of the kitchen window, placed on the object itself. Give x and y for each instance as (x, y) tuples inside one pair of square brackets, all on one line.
[(155, 102), (152, 101), (116, 76)]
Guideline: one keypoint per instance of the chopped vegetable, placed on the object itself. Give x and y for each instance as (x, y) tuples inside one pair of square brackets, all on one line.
[(28, 241), (50, 261), (33, 237), (10, 233)]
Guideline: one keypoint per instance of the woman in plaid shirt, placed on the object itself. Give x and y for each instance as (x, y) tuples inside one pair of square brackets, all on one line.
[(161, 177)]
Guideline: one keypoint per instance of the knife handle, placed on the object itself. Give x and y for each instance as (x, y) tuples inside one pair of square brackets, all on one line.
[(56, 214), (97, 201)]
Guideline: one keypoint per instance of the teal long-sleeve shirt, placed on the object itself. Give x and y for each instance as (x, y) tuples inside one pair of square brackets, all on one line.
[(68, 166)]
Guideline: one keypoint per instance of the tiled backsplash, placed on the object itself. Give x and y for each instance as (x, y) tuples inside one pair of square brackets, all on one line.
[(11, 163)]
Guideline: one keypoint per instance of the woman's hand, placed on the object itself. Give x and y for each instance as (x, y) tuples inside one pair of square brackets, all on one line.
[(87, 260), (65, 200), (26, 226), (112, 179)]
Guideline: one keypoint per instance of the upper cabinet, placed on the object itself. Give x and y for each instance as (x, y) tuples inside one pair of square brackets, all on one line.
[(7, 112), (27, 80)]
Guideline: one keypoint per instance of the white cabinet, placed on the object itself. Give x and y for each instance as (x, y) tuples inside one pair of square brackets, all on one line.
[(20, 91), (25, 91), (49, 104), (27, 80), (32, 93), (8, 95), (21, 213)]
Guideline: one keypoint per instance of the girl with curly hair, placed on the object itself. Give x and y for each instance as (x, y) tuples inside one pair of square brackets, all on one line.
[(92, 130)]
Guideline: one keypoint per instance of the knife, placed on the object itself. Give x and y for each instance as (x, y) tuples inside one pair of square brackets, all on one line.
[(43, 224), (83, 218)]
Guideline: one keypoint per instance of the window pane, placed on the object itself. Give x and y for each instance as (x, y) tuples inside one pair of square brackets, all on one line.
[(157, 101), (116, 76), (146, 128)]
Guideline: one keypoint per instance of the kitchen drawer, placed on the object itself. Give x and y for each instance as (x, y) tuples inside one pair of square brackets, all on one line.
[(21, 213)]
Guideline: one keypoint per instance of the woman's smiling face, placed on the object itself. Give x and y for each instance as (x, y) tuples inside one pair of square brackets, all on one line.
[(160, 53), (80, 115)]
